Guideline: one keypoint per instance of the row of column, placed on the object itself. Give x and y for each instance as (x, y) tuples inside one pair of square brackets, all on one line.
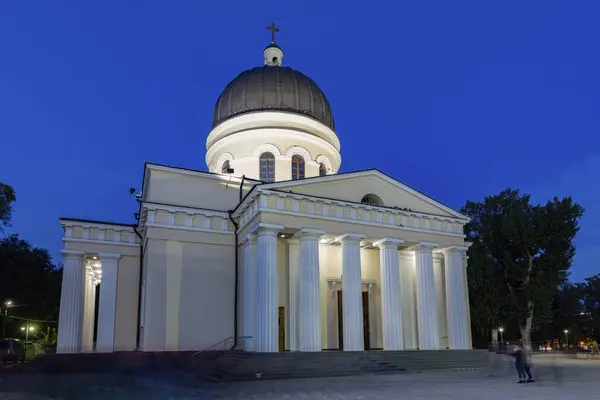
[(260, 293), (78, 304)]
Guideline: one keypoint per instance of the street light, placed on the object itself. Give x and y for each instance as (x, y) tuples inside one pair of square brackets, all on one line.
[(7, 304), (567, 337), (27, 329)]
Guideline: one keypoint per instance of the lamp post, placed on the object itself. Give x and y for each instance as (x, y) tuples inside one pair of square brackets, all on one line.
[(27, 329), (501, 330), (7, 304), (567, 337)]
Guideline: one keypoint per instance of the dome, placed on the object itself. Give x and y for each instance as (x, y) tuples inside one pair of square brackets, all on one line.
[(273, 88)]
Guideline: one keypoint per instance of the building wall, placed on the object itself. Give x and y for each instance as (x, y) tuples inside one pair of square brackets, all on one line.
[(189, 294), (193, 189), (127, 303)]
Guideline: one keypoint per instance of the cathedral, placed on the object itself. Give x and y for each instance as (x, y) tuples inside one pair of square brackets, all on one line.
[(271, 248)]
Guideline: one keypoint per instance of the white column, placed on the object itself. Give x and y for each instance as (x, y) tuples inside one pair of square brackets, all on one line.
[(70, 319), (293, 292), (249, 292), (310, 293), (458, 327), (440, 296), (88, 323), (428, 332), (409, 298), (352, 292), (108, 302), (391, 311), (267, 300)]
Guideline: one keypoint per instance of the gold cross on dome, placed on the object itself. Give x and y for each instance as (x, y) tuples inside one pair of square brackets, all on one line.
[(273, 30)]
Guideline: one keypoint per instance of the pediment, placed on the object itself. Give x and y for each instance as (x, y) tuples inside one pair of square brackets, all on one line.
[(352, 186)]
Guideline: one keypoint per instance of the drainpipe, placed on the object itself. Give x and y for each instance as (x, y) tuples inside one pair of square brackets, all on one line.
[(140, 285), (237, 269)]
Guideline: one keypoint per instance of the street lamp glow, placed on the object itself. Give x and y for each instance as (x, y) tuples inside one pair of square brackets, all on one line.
[(31, 329), (8, 302), (501, 329), (22, 328), (566, 331)]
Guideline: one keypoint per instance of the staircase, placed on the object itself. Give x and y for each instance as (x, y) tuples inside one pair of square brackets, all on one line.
[(237, 365)]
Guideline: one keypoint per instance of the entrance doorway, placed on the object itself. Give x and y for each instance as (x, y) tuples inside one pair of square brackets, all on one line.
[(366, 331), (281, 328)]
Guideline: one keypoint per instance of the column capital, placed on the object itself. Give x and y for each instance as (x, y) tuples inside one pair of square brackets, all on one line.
[(438, 256), (72, 253), (388, 242), (424, 246), (264, 228), (453, 249), (406, 254), (350, 237), (308, 232), (108, 256), (249, 239)]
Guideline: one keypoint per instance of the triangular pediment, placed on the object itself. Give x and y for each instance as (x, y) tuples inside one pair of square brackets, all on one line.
[(352, 186)]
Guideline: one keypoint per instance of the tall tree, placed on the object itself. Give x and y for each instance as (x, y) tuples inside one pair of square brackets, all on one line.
[(7, 198), (525, 250), (591, 305), (29, 280)]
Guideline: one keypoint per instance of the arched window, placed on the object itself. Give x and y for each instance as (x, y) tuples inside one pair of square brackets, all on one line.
[(267, 167), (322, 169), (297, 167), (372, 199), (225, 167)]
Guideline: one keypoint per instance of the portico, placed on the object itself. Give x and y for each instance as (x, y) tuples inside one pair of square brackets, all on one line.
[(413, 275)]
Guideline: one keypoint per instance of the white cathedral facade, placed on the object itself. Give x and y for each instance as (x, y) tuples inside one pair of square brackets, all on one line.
[(271, 246)]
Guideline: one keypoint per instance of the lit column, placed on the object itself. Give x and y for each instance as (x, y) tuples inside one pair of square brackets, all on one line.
[(409, 297), (309, 291), (293, 288), (88, 323), (440, 297), (352, 309), (107, 307), (249, 292), (70, 319), (391, 311), (267, 281), (458, 327), (428, 332)]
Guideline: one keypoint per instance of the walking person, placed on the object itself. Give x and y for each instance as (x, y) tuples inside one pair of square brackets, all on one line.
[(522, 364)]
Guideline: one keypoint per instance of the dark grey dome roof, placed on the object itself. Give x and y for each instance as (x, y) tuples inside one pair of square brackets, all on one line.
[(273, 88)]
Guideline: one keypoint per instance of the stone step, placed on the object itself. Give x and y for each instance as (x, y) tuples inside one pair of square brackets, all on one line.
[(289, 365)]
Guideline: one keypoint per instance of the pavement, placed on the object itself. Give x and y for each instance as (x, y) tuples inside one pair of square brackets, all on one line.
[(557, 377)]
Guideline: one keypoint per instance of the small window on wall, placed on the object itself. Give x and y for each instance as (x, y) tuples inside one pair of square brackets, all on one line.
[(297, 167), (372, 199), (225, 168), (267, 167), (322, 169)]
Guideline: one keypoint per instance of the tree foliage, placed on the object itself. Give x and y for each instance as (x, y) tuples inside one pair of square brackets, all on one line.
[(29, 280), (7, 198), (520, 255)]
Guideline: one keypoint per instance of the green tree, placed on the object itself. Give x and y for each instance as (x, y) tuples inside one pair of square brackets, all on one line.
[(591, 305), (29, 280), (7, 198), (525, 252)]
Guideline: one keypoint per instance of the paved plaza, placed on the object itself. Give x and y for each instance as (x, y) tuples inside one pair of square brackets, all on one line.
[(557, 378)]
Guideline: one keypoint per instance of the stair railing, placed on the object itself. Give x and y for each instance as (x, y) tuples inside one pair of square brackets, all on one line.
[(215, 350)]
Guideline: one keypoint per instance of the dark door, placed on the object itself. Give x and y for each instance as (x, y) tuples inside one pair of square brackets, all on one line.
[(366, 332), (281, 328)]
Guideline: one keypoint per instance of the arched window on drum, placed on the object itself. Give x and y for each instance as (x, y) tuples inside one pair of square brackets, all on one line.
[(267, 167), (297, 167), (322, 169)]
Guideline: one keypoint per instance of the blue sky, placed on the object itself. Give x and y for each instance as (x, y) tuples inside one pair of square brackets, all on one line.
[(458, 99)]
